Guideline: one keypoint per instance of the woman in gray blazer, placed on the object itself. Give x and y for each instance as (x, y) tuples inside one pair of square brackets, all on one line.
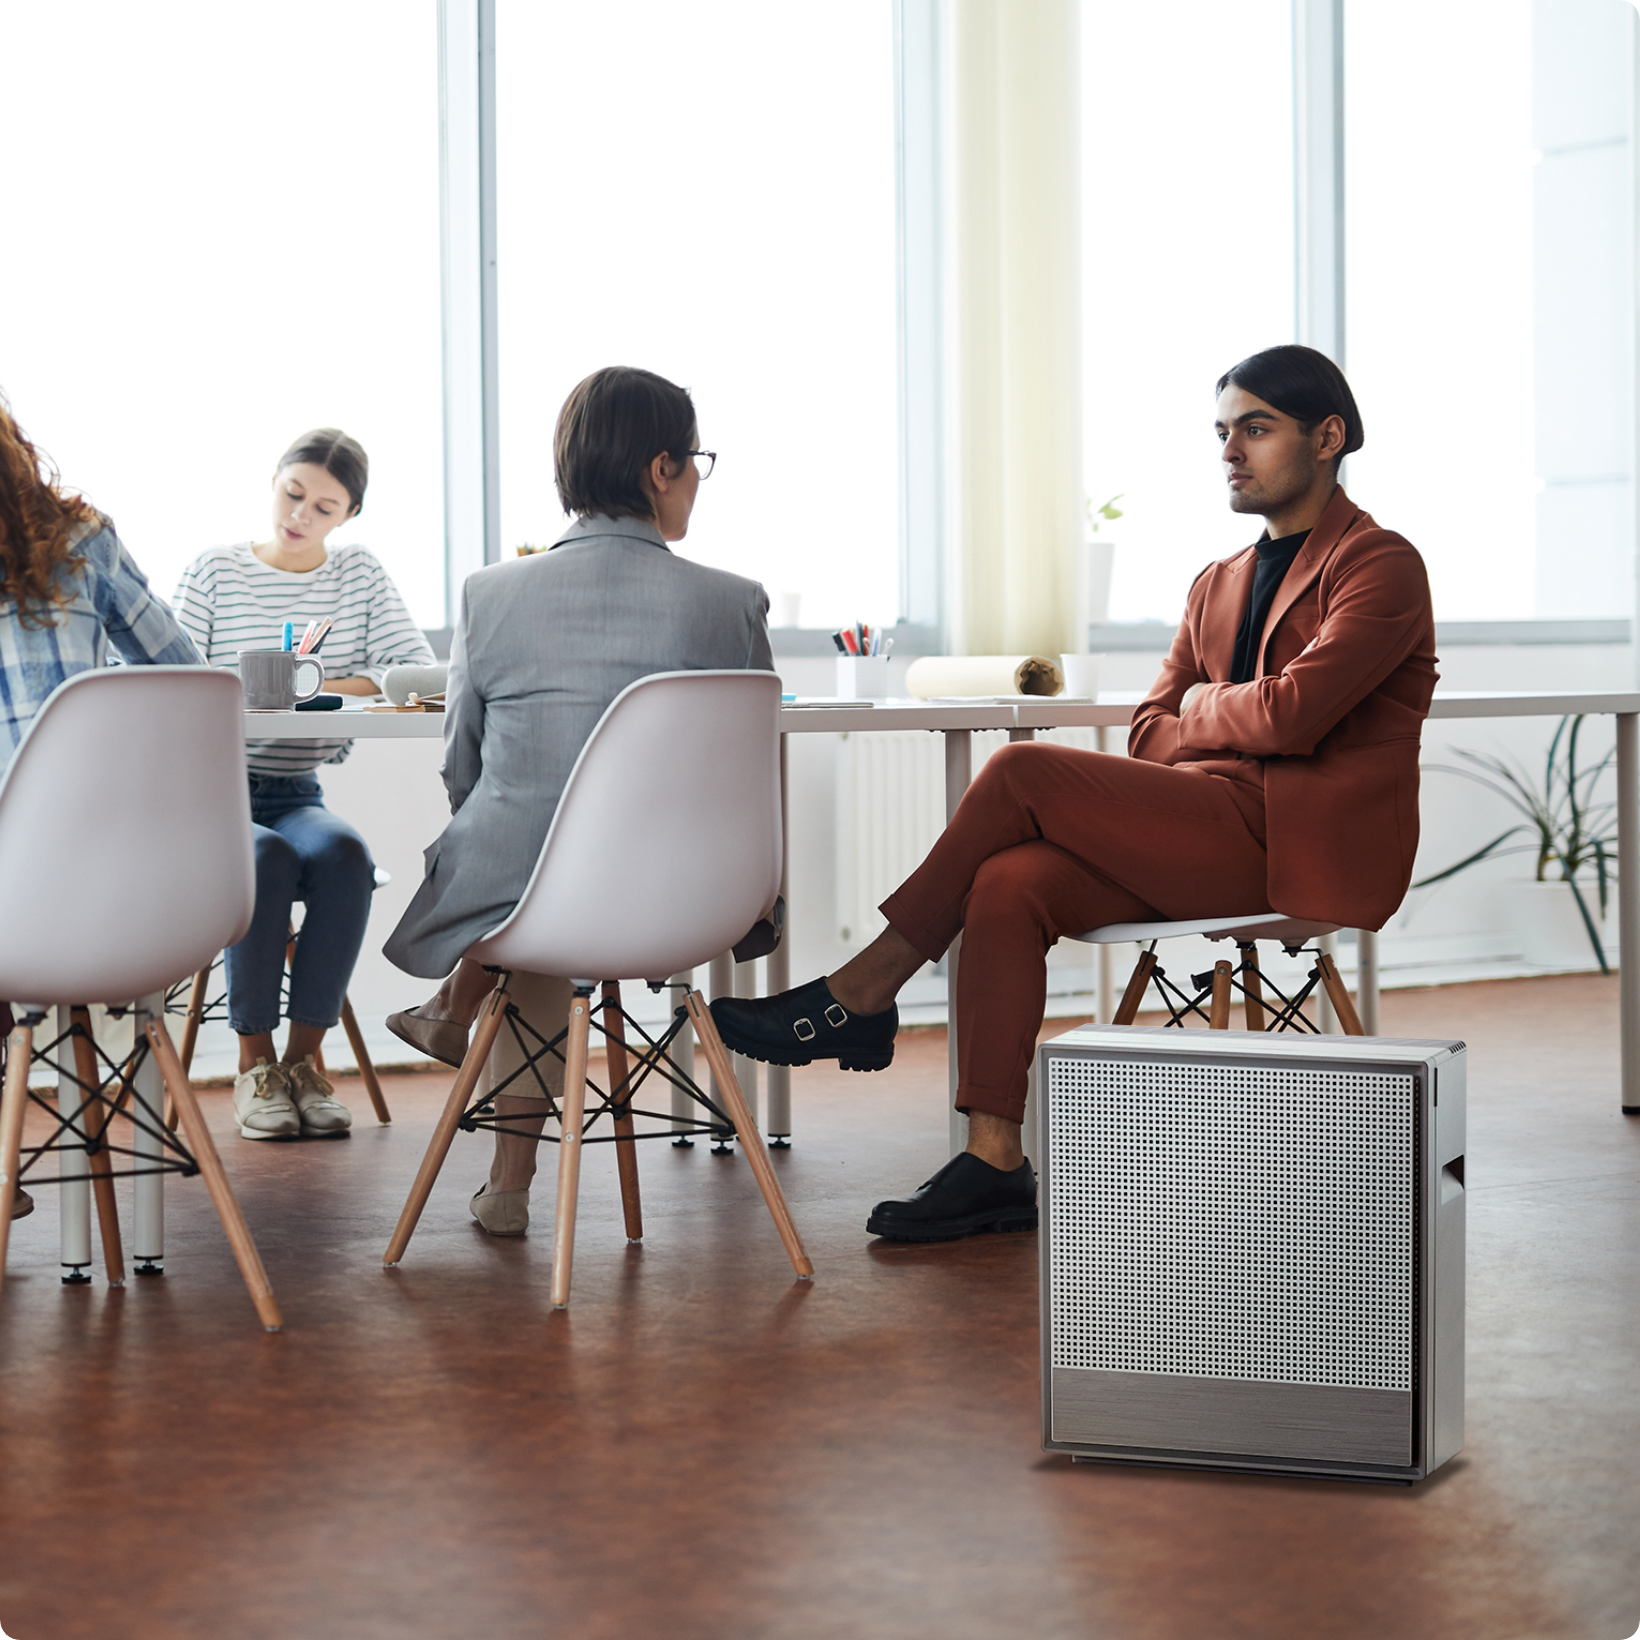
[(542, 645)]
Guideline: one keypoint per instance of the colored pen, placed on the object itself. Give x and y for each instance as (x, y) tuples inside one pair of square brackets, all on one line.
[(837, 638), (290, 633)]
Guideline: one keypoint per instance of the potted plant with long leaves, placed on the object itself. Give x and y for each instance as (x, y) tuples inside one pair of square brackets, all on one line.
[(1563, 826)]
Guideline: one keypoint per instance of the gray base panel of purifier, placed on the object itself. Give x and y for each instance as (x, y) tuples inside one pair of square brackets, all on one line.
[(1252, 1250)]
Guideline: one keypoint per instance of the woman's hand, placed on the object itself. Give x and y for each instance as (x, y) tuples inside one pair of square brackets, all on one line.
[(352, 686)]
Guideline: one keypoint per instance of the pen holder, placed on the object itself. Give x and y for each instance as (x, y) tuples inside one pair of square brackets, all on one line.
[(862, 677)]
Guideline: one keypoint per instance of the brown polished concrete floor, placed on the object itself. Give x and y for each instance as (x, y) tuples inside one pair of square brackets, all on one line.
[(701, 1447)]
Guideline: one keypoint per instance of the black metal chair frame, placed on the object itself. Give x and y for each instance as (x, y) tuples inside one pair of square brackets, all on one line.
[(77, 1133), (1246, 977), (653, 1059)]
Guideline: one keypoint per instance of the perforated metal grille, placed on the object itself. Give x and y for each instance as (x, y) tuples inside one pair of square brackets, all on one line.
[(1227, 1221)]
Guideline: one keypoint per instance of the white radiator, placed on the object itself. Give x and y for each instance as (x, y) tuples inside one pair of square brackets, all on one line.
[(890, 808)]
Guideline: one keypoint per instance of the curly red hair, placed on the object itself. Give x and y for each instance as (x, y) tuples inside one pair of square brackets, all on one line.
[(37, 526)]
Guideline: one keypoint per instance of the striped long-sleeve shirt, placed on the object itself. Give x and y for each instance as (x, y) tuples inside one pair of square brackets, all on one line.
[(110, 612), (229, 600)]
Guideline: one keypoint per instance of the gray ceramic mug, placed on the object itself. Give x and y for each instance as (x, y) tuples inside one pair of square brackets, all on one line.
[(269, 678)]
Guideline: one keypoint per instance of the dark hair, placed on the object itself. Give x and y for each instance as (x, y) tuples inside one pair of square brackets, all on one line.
[(611, 427), (1301, 383), (39, 525), (340, 456)]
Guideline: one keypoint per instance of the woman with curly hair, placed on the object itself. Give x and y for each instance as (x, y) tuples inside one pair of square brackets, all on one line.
[(70, 595)]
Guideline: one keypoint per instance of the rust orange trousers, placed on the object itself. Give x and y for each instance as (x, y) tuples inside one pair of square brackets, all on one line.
[(1048, 842)]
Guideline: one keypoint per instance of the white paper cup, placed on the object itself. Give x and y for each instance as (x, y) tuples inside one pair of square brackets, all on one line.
[(1081, 675)]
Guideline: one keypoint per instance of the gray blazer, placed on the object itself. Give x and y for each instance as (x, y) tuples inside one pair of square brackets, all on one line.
[(542, 646)]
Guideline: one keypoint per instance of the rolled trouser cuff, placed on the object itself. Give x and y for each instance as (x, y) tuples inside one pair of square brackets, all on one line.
[(989, 1102), (930, 944)]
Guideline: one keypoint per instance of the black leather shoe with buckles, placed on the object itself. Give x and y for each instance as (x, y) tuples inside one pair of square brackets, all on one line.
[(798, 1027)]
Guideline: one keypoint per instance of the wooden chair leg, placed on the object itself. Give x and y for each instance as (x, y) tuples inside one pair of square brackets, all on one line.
[(216, 1181), (19, 1051), (751, 1141), (192, 1020), (361, 1058), (438, 1147), (1218, 1014), (626, 1148), (1343, 1004), (97, 1117), (569, 1145), (1127, 1010), (1253, 982)]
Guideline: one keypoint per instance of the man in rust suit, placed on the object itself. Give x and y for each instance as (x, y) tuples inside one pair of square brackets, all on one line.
[(1273, 766)]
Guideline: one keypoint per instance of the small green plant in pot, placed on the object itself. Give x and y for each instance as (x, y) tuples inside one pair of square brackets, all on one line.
[(1561, 823)]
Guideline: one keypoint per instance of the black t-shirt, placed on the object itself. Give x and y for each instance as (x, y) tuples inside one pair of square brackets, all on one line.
[(1274, 557)]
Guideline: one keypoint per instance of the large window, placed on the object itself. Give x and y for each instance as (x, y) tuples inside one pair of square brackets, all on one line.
[(1188, 266), (710, 194), (222, 229), (1439, 305)]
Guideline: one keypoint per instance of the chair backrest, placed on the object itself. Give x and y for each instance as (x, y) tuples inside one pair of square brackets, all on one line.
[(665, 846), (125, 835)]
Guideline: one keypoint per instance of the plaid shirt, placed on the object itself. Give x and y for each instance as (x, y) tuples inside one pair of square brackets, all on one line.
[(110, 608)]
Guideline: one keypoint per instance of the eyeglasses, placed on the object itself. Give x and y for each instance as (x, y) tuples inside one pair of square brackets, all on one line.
[(704, 460)]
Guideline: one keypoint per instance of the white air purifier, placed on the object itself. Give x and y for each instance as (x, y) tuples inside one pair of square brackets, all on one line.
[(1252, 1250)]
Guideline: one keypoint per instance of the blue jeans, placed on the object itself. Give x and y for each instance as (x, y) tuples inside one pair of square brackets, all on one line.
[(306, 853)]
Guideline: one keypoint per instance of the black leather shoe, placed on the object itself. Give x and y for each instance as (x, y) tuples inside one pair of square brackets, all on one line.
[(798, 1027), (965, 1198)]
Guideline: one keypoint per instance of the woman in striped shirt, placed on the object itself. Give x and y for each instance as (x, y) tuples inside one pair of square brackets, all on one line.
[(234, 598)]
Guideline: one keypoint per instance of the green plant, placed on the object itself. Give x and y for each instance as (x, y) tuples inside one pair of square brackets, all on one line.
[(1109, 511), (1562, 822)]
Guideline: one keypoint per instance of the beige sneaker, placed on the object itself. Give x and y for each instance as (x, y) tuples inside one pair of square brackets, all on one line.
[(262, 1104), (322, 1114)]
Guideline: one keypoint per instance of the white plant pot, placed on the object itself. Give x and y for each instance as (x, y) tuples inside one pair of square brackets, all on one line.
[(1552, 931)]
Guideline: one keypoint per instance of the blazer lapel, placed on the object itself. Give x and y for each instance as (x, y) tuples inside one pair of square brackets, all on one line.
[(1222, 614), (1336, 518)]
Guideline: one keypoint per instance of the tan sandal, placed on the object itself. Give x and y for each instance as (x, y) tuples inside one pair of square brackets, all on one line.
[(501, 1212), (440, 1039)]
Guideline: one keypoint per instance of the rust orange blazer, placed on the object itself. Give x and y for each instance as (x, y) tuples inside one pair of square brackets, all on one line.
[(1329, 726)]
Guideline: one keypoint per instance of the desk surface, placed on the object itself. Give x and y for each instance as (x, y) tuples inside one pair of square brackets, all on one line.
[(1112, 711)]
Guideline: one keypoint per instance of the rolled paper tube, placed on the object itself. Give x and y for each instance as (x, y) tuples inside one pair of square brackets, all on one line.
[(983, 675), (401, 682)]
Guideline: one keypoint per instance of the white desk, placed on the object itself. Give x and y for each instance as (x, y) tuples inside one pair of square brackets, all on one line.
[(1029, 714)]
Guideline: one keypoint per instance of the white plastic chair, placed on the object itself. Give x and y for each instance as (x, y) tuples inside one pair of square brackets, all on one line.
[(663, 851), (1293, 934), (125, 860)]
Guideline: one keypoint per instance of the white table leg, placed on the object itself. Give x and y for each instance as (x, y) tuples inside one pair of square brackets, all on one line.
[(1325, 1016), (721, 983), (959, 771), (778, 966), (1366, 979), (1028, 1137), (75, 1193), (746, 1069), (1628, 907), (148, 1189)]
